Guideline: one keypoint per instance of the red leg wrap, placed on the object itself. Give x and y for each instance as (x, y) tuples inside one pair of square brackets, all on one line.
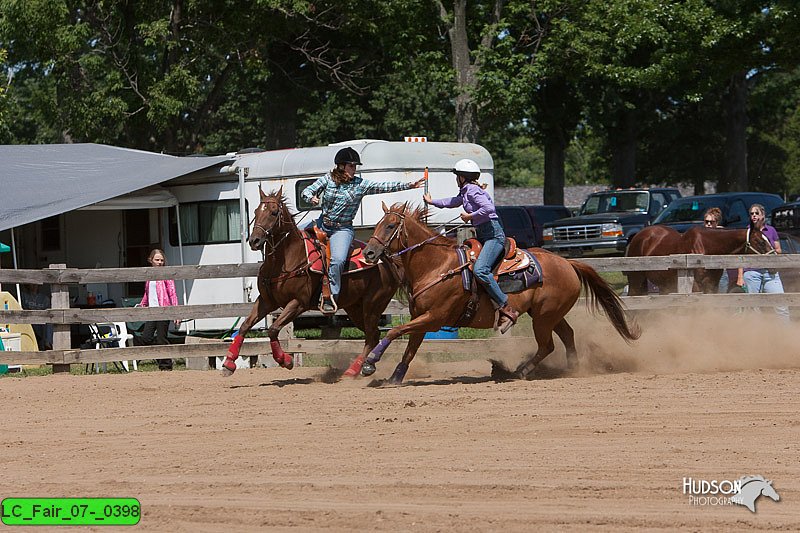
[(233, 353), (281, 357), (355, 367)]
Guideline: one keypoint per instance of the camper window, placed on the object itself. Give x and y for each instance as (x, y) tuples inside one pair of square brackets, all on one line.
[(214, 222), (51, 234), (299, 187)]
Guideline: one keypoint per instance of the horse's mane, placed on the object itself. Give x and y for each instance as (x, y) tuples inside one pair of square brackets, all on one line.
[(283, 201), (418, 214), (747, 479)]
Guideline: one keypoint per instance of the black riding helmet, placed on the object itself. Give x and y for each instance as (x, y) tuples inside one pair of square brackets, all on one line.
[(347, 155)]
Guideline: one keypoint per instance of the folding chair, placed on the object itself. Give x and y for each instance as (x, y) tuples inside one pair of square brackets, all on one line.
[(109, 335)]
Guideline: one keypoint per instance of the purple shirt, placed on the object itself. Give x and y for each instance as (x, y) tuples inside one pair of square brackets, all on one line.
[(475, 201)]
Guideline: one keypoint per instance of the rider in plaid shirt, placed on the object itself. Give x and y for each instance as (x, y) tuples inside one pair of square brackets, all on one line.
[(339, 193)]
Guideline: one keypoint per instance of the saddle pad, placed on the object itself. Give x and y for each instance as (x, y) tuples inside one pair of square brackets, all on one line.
[(466, 273), (522, 279), (314, 256)]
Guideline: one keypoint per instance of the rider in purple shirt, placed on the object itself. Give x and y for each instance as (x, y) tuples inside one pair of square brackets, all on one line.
[(481, 213)]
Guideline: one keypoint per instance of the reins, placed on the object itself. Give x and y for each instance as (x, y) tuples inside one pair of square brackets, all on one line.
[(438, 233)]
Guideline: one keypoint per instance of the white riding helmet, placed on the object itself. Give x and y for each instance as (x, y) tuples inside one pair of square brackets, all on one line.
[(467, 167)]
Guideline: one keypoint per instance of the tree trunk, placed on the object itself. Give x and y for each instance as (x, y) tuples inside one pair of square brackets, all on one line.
[(554, 156), (734, 175), (466, 109), (623, 150)]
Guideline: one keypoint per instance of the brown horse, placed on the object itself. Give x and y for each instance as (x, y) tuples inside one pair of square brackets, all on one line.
[(286, 280), (437, 298), (663, 240)]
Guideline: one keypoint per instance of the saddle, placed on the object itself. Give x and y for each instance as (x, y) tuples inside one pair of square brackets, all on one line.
[(318, 253), (513, 258), (325, 252)]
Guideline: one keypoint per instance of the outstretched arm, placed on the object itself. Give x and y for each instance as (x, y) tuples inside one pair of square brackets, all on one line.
[(379, 187)]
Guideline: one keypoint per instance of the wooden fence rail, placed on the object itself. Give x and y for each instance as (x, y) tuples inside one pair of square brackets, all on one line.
[(62, 316)]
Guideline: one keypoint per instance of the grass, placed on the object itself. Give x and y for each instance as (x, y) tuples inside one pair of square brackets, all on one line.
[(80, 370), (617, 280)]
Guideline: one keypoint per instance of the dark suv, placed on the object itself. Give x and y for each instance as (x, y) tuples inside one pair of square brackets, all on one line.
[(525, 222), (607, 221), (787, 218), (686, 212)]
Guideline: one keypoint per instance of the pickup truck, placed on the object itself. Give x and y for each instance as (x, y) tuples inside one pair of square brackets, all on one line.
[(607, 221), (525, 222)]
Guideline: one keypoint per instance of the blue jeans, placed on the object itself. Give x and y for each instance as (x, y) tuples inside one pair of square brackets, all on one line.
[(765, 281), (491, 235), (339, 240)]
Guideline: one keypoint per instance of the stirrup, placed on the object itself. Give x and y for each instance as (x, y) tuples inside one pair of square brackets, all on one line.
[(507, 317), (328, 305)]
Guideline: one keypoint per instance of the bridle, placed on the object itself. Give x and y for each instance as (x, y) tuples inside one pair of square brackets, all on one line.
[(400, 227), (268, 235), (748, 246)]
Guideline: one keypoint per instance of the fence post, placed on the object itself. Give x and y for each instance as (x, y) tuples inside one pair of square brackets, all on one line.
[(62, 340), (685, 275)]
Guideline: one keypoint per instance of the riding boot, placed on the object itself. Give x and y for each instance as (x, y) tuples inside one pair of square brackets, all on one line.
[(508, 317)]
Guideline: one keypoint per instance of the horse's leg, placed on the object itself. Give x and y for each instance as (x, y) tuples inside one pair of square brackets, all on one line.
[(369, 325), (637, 283), (543, 332), (260, 310), (424, 322), (289, 313), (567, 336), (414, 340)]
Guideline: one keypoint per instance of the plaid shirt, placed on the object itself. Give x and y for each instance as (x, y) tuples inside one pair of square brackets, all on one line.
[(340, 202)]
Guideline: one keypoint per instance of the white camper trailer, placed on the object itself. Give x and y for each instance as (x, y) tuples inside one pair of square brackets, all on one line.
[(209, 205)]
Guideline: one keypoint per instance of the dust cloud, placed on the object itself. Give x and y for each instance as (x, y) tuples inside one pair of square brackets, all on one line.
[(684, 340)]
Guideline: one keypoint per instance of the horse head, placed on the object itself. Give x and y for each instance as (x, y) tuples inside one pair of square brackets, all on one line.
[(757, 242), (385, 236), (267, 218), (751, 488), (769, 491)]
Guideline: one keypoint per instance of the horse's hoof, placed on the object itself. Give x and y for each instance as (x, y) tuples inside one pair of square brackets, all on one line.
[(367, 369), (284, 361), (226, 372)]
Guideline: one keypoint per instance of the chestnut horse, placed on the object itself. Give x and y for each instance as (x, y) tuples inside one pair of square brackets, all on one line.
[(437, 298), (286, 280), (663, 240)]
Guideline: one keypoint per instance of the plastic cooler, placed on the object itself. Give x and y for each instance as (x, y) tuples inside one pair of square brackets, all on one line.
[(10, 342), (446, 333)]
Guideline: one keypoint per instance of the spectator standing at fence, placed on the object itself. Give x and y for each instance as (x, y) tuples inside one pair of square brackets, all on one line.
[(758, 280), (158, 293), (712, 218)]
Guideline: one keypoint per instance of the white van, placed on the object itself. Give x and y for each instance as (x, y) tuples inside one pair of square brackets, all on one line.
[(209, 209)]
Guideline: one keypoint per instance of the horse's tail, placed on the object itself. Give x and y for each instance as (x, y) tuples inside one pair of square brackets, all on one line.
[(602, 295)]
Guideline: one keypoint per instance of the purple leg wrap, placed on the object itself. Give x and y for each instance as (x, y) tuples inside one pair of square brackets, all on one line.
[(377, 352), (399, 373)]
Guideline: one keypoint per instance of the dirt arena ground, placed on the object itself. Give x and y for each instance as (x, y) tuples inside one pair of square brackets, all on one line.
[(603, 449)]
